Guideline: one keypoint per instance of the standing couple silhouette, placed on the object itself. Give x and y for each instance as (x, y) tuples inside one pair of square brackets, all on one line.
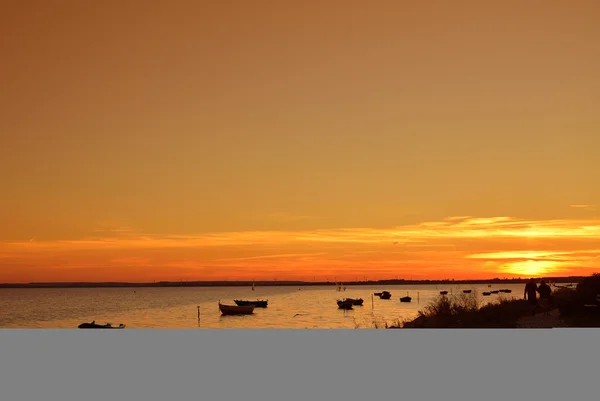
[(531, 291)]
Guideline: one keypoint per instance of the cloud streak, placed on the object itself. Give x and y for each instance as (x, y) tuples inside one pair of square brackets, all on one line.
[(460, 245), (457, 228), (584, 207)]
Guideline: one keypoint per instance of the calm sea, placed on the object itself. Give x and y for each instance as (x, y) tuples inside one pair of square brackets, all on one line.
[(289, 307)]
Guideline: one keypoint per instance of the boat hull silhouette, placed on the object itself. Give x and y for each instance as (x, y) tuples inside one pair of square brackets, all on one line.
[(94, 325), (236, 310), (256, 304)]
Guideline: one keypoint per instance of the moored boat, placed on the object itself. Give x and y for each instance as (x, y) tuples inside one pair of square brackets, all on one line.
[(405, 299), (467, 291), (384, 294), (443, 292), (355, 301), (236, 310), (256, 304), (485, 294), (345, 304), (94, 325)]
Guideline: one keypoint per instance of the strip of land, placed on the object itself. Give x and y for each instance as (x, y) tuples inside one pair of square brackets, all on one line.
[(571, 279)]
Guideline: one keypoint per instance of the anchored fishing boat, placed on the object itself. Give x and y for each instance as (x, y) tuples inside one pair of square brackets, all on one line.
[(355, 301), (257, 303), (345, 304), (236, 310), (94, 325)]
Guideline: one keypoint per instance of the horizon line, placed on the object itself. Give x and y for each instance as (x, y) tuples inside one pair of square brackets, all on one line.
[(275, 282)]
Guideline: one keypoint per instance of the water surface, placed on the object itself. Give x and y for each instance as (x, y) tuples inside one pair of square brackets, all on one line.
[(289, 307)]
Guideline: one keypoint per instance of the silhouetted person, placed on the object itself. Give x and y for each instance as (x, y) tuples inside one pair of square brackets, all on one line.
[(530, 293), (545, 291)]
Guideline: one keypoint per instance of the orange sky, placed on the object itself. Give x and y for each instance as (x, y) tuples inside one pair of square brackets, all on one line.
[(157, 140)]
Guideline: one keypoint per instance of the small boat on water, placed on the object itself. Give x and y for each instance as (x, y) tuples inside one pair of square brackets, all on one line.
[(384, 295), (93, 325), (494, 292), (236, 310), (257, 303), (405, 299), (443, 292), (467, 291), (485, 294), (505, 291), (345, 304), (355, 301)]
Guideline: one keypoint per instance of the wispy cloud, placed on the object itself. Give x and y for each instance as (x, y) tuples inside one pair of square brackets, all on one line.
[(471, 245), (276, 256), (584, 207), (517, 255), (468, 228)]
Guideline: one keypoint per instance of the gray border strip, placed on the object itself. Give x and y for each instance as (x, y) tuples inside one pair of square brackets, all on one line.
[(214, 365)]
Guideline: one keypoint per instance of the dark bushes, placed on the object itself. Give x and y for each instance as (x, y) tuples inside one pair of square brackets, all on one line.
[(464, 312), (576, 306)]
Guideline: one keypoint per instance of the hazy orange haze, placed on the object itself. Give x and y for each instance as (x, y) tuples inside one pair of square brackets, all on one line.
[(152, 140)]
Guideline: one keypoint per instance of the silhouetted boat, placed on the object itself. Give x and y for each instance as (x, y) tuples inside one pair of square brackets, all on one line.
[(344, 304), (494, 292), (485, 294), (93, 325), (405, 299), (443, 292), (508, 291), (236, 310), (256, 304), (355, 301), (384, 294), (467, 291)]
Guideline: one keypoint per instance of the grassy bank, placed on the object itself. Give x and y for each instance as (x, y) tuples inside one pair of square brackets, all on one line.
[(576, 307), (466, 311)]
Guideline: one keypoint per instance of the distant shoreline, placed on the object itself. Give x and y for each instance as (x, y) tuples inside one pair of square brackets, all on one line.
[(163, 284)]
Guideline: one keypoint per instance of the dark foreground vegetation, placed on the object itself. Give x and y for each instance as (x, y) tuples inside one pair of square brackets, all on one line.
[(464, 311), (578, 307)]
